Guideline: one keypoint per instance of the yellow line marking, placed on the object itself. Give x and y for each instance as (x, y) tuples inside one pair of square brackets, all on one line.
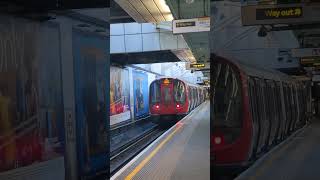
[(154, 152)]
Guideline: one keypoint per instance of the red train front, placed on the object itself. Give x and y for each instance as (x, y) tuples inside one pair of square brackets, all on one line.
[(170, 97)]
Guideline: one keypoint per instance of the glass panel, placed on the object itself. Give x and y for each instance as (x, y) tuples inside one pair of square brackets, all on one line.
[(167, 96), (227, 98), (179, 92), (155, 92)]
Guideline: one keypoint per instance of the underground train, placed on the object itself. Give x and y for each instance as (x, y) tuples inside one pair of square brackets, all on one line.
[(172, 97), (253, 110)]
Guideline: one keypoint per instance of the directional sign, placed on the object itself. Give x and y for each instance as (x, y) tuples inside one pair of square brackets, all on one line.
[(191, 25), (306, 52), (280, 14), (196, 66)]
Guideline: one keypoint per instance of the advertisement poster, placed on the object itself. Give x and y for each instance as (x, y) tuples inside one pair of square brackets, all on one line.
[(91, 73), (50, 92), (141, 92), (119, 95), (30, 107)]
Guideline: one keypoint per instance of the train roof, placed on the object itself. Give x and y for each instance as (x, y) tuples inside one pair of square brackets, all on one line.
[(257, 71)]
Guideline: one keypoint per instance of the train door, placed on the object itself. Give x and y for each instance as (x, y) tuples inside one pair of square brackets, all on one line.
[(268, 111), (166, 89), (179, 96), (263, 123), (254, 117), (282, 104), (295, 108), (266, 122), (273, 112), (288, 108), (260, 115), (278, 108), (189, 97), (292, 108)]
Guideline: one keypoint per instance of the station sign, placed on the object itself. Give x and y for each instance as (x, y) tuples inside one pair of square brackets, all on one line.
[(280, 14), (191, 25), (310, 62), (306, 52), (197, 66)]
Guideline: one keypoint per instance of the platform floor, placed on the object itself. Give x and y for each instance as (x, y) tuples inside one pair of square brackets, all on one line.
[(180, 153), (296, 159)]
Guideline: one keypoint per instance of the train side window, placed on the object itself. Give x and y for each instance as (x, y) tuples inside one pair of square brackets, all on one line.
[(227, 99), (155, 92), (179, 92)]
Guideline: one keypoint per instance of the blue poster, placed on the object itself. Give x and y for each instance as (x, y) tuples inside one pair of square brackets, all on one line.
[(91, 80), (140, 94)]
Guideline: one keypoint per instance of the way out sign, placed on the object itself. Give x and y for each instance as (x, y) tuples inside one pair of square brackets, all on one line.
[(191, 25)]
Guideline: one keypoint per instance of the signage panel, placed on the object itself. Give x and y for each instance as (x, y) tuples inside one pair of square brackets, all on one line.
[(196, 66), (306, 52), (280, 14), (191, 25)]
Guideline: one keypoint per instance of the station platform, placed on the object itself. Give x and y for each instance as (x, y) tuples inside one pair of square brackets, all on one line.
[(180, 153), (295, 159)]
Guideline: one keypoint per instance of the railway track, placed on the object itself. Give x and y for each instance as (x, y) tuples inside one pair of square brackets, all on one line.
[(125, 153)]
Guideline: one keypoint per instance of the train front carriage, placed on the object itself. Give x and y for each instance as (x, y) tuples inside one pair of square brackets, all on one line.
[(171, 99), (168, 99), (254, 109), (231, 132)]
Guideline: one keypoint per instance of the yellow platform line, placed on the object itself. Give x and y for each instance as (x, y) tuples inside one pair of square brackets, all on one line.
[(153, 153)]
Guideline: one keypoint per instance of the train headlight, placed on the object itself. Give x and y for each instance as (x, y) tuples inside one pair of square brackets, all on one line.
[(178, 106), (217, 140), (157, 106)]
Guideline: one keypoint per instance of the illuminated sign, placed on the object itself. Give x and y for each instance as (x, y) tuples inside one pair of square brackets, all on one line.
[(185, 24), (191, 25), (310, 62), (268, 14), (278, 13), (166, 81), (197, 65)]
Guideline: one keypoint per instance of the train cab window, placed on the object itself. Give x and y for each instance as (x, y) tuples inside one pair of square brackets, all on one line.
[(167, 96), (227, 97), (155, 92), (179, 91)]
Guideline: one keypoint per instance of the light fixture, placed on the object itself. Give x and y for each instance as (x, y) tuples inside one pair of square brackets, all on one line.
[(189, 1), (217, 140)]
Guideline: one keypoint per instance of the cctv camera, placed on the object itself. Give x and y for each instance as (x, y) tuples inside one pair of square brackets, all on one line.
[(263, 32)]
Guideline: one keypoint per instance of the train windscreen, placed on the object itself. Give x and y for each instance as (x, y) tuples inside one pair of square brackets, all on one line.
[(155, 92), (227, 100)]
